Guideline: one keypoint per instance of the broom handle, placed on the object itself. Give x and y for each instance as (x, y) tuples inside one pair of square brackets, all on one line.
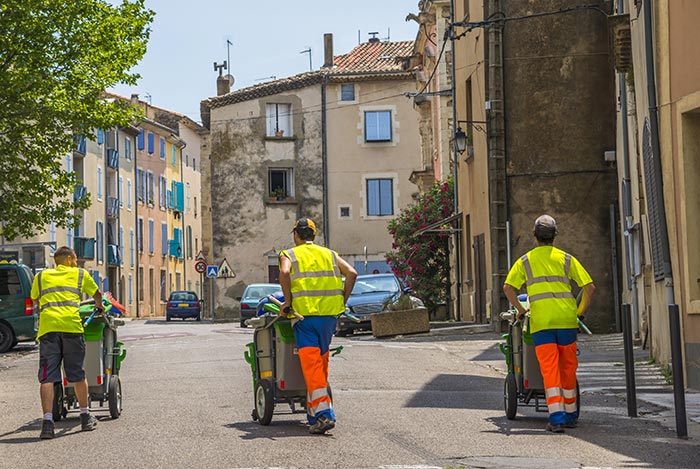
[(279, 303)]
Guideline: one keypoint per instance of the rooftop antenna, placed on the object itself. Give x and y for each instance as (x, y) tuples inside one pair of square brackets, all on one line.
[(388, 35), (359, 41), (308, 51), (228, 55), (148, 97), (271, 77), (220, 67)]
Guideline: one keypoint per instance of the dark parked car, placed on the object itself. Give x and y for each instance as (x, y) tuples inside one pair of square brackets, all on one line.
[(252, 295), (371, 294), (183, 304), (17, 318)]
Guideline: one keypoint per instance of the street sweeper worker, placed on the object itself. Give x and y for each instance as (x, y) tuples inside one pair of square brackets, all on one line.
[(56, 294), (547, 273), (311, 277)]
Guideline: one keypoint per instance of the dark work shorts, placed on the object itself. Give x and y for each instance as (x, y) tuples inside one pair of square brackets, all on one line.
[(65, 346)]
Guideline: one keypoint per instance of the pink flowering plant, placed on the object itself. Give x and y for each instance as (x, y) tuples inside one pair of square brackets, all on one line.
[(422, 261)]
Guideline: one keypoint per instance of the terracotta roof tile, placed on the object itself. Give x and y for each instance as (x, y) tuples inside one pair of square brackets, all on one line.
[(374, 57)]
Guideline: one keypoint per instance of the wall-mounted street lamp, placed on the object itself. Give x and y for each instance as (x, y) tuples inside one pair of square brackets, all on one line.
[(460, 140)]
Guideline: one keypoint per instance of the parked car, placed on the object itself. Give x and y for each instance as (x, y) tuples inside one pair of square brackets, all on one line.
[(252, 295), (372, 294), (17, 317), (183, 304)]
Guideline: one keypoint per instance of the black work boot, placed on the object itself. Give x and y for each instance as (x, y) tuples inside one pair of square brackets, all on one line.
[(87, 422), (46, 430)]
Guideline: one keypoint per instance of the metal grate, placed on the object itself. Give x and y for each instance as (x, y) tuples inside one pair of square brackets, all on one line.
[(653, 196)]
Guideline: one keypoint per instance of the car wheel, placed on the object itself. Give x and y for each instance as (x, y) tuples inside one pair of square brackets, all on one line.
[(264, 401), (7, 338), (342, 333)]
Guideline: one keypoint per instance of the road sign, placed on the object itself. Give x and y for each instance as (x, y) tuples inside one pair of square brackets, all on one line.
[(200, 267), (212, 271), (225, 270), (201, 257)]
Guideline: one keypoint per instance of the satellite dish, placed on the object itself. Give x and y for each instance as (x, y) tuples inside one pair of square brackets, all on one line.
[(230, 79)]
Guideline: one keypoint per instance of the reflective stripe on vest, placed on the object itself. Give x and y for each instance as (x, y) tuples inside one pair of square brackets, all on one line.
[(531, 279), (317, 285)]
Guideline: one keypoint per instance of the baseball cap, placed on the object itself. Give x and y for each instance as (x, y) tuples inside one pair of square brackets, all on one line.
[(546, 222), (305, 222)]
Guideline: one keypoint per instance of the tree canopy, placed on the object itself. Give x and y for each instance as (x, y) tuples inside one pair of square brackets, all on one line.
[(423, 260), (57, 58)]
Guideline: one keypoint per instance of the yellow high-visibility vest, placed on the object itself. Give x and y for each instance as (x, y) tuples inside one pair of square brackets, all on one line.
[(58, 293), (317, 284)]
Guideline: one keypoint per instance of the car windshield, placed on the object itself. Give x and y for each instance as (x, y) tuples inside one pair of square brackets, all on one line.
[(365, 285), (183, 296), (255, 292)]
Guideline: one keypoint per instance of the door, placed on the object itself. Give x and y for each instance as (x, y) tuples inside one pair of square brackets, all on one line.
[(479, 279)]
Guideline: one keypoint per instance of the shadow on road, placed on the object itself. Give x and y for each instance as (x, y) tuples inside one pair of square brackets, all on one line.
[(31, 431), (459, 392), (281, 429)]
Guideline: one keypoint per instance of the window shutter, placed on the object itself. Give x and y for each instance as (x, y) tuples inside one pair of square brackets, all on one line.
[(386, 206), (285, 119), (162, 147), (151, 248), (140, 140), (373, 197), (164, 238), (179, 196), (654, 193), (151, 143), (100, 136)]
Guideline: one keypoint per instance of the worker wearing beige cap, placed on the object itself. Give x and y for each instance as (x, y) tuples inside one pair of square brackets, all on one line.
[(311, 277), (547, 273)]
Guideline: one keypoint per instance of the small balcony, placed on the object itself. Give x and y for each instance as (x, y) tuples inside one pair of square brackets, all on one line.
[(112, 207), (80, 146), (112, 158), (79, 193), (112, 254), (84, 247)]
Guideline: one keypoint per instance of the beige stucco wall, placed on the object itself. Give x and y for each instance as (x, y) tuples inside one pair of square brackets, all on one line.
[(351, 161), (246, 224), (192, 175)]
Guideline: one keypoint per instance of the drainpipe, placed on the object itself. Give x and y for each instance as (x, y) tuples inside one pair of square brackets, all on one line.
[(455, 174), (627, 216), (184, 240), (136, 226), (673, 309), (324, 160)]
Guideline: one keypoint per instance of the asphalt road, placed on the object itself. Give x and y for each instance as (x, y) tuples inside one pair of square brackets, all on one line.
[(417, 402)]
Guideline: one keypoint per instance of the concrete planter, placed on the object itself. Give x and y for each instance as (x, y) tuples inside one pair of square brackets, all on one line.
[(408, 321)]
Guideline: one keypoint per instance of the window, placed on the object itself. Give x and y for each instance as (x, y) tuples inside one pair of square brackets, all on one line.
[(121, 191), (377, 126), (194, 164), (131, 247), (128, 193), (162, 189), (140, 284), (139, 234), (151, 248), (127, 148), (173, 155), (189, 242), (279, 120), (187, 195), (99, 183), (380, 197), (347, 92), (140, 143), (163, 290), (100, 136), (187, 160), (68, 161), (121, 245), (151, 188), (164, 238), (344, 211), (280, 183), (52, 232), (195, 207), (162, 148), (99, 241), (140, 185), (151, 143)]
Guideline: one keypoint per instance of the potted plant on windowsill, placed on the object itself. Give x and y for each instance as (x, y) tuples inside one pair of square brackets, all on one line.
[(279, 133), (278, 193)]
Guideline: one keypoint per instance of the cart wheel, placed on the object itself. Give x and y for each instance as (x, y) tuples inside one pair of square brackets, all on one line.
[(115, 397), (510, 396), (578, 400), (58, 406), (264, 401)]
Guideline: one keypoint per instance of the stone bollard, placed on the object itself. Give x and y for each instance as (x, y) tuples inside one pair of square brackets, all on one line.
[(408, 321)]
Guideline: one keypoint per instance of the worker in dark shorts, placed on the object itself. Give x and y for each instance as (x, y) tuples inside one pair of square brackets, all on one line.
[(56, 294)]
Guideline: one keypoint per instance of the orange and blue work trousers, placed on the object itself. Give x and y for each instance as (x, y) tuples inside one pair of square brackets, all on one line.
[(313, 336), (556, 353)]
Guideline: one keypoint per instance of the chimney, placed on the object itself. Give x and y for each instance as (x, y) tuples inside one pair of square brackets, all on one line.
[(134, 98), (374, 39), (328, 50), (223, 86)]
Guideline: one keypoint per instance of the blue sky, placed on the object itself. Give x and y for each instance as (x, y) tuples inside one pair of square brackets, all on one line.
[(268, 35)]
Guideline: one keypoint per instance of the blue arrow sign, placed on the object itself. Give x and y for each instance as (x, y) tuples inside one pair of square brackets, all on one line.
[(212, 271)]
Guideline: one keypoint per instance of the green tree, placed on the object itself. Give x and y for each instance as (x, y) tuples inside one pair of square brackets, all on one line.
[(423, 260), (57, 57)]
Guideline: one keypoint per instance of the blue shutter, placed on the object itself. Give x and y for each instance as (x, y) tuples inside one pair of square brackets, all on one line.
[(121, 245), (96, 276), (164, 238), (105, 284), (162, 147), (151, 248), (99, 183), (386, 206), (173, 155), (179, 196), (151, 143), (131, 297), (131, 247), (140, 140), (100, 136)]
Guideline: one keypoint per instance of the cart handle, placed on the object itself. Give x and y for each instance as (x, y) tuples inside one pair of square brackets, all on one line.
[(287, 310)]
